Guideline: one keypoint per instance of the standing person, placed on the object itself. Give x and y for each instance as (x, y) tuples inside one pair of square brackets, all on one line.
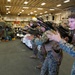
[(53, 59), (69, 48)]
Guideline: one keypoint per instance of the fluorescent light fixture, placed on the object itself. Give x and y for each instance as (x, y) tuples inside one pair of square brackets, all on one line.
[(8, 6), (8, 11), (25, 7), (8, 0), (66, 1), (41, 13), (18, 13), (25, 2), (52, 9), (31, 12), (58, 5), (22, 10), (35, 11), (40, 8), (45, 12), (43, 3)]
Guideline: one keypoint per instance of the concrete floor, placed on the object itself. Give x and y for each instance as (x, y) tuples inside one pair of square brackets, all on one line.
[(14, 60)]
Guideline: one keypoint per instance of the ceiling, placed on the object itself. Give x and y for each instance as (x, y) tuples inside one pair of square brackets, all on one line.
[(17, 7)]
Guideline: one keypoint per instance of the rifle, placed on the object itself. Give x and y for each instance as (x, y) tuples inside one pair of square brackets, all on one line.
[(63, 31)]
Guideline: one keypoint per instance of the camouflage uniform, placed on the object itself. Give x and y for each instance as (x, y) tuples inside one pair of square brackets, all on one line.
[(51, 62), (39, 42), (70, 49), (53, 59)]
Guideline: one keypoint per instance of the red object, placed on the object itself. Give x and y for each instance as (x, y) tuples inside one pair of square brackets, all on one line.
[(16, 22)]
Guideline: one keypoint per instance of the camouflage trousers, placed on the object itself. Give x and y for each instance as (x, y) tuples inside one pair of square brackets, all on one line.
[(73, 69), (50, 65)]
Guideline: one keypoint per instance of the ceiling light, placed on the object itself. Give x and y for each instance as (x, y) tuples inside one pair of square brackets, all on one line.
[(58, 5), (66, 1), (25, 7), (8, 6), (40, 13), (25, 2), (52, 9), (43, 3), (18, 13), (8, 11), (35, 11), (40, 8), (31, 12), (45, 12), (22, 10), (8, 0)]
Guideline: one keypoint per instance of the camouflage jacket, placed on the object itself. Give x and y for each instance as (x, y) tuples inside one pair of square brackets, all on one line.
[(69, 48)]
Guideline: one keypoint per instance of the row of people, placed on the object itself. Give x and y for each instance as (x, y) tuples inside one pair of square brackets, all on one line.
[(49, 49), (50, 55)]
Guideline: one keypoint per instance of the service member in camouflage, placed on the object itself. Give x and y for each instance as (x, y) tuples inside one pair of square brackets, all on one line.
[(69, 48)]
